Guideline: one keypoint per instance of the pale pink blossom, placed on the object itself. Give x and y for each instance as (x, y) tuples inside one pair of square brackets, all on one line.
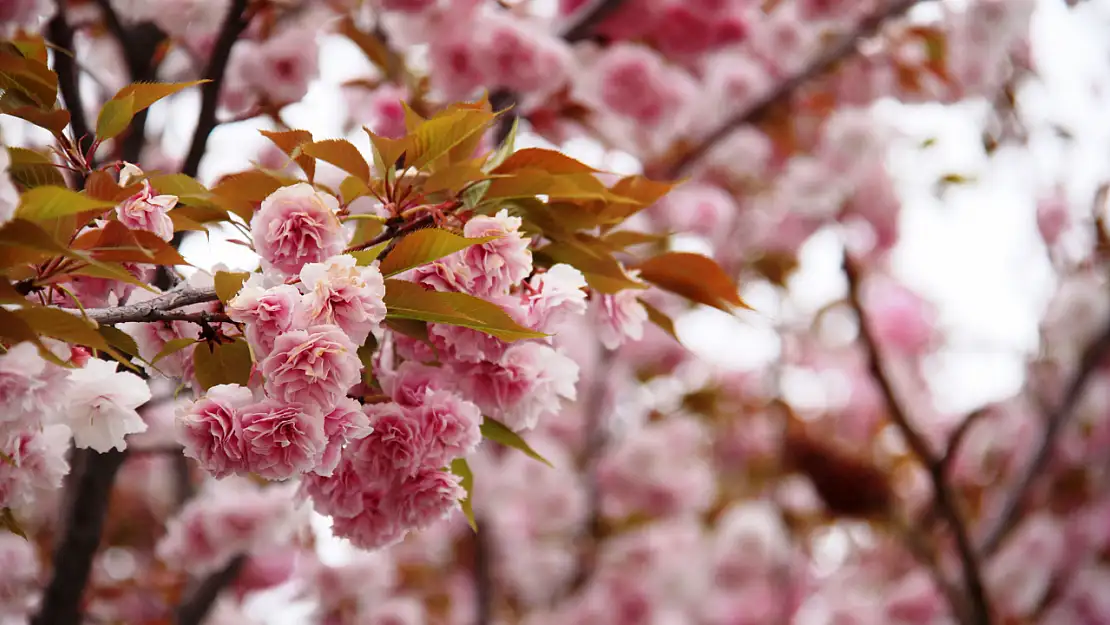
[(375, 526), (341, 493), (450, 424), (38, 464), (488, 269), (102, 405), (282, 438), (469, 345), (427, 497), (915, 600), (697, 208), (521, 56), (620, 317), (211, 429), (398, 445), (554, 296), (266, 311), (634, 83), (902, 320), (399, 610), (25, 14), (20, 577), (232, 517), (147, 211), (346, 422), (266, 570), (315, 367), (1016, 587), (283, 65), (297, 225), (408, 6), (379, 109), (31, 389), (1053, 216), (407, 385), (343, 294), (527, 383)]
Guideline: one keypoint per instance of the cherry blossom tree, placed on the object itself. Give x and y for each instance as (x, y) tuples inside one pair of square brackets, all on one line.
[(450, 387)]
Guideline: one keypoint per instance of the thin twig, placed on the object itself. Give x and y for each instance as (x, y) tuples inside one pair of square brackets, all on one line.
[(153, 309), (234, 25), (1008, 519), (61, 35), (73, 556), (842, 49), (979, 613), (196, 607)]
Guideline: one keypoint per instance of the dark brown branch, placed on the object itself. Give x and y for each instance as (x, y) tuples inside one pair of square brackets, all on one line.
[(154, 309), (956, 438), (199, 603), (979, 612), (483, 574), (234, 25), (1008, 519), (586, 19), (61, 35), (842, 49), (73, 555)]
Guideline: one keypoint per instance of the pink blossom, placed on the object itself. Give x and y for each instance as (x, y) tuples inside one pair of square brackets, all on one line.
[(281, 438), (527, 383), (102, 405), (395, 611), (283, 65), (503, 262), (522, 57), (398, 445), (339, 494), (427, 497), (375, 526), (633, 82), (620, 317), (1053, 216), (915, 600), (902, 321), (297, 225), (343, 294), (457, 62), (211, 429), (407, 385), (553, 296), (697, 208), (146, 211), (38, 464), (346, 422), (469, 345), (450, 424), (1016, 587), (267, 312), (379, 109), (408, 6), (266, 570), (30, 387), (20, 576), (24, 13), (313, 367), (232, 517)]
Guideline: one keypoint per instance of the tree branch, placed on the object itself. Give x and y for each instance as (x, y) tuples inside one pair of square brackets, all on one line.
[(155, 309), (1008, 519), (61, 35), (979, 613), (586, 20), (195, 609), (842, 49), (483, 574), (234, 25), (73, 556)]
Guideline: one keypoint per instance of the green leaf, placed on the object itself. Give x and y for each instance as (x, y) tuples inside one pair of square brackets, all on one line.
[(604, 273), (530, 183), (414, 330), (9, 522), (45, 203), (120, 340), (424, 246), (15, 330), (366, 357), (228, 284), (660, 319), (290, 142), (115, 116), (222, 363), (30, 169), (408, 300), (548, 161), (461, 468), (62, 325), (505, 149), (144, 94), (365, 258), (500, 433), (341, 153), (627, 238), (436, 137), (8, 293), (171, 347), (695, 277)]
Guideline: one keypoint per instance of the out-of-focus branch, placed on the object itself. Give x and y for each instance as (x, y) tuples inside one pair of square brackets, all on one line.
[(586, 20), (483, 574), (233, 26), (978, 612), (1008, 519), (844, 47), (61, 35), (194, 609), (153, 309), (73, 554)]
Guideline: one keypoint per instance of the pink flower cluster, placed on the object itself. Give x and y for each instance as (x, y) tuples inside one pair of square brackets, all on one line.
[(232, 517), (393, 481)]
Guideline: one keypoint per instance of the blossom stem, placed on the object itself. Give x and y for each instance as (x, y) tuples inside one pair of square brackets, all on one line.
[(844, 47), (979, 612)]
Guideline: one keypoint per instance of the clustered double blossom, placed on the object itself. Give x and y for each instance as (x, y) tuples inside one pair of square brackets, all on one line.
[(377, 463)]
